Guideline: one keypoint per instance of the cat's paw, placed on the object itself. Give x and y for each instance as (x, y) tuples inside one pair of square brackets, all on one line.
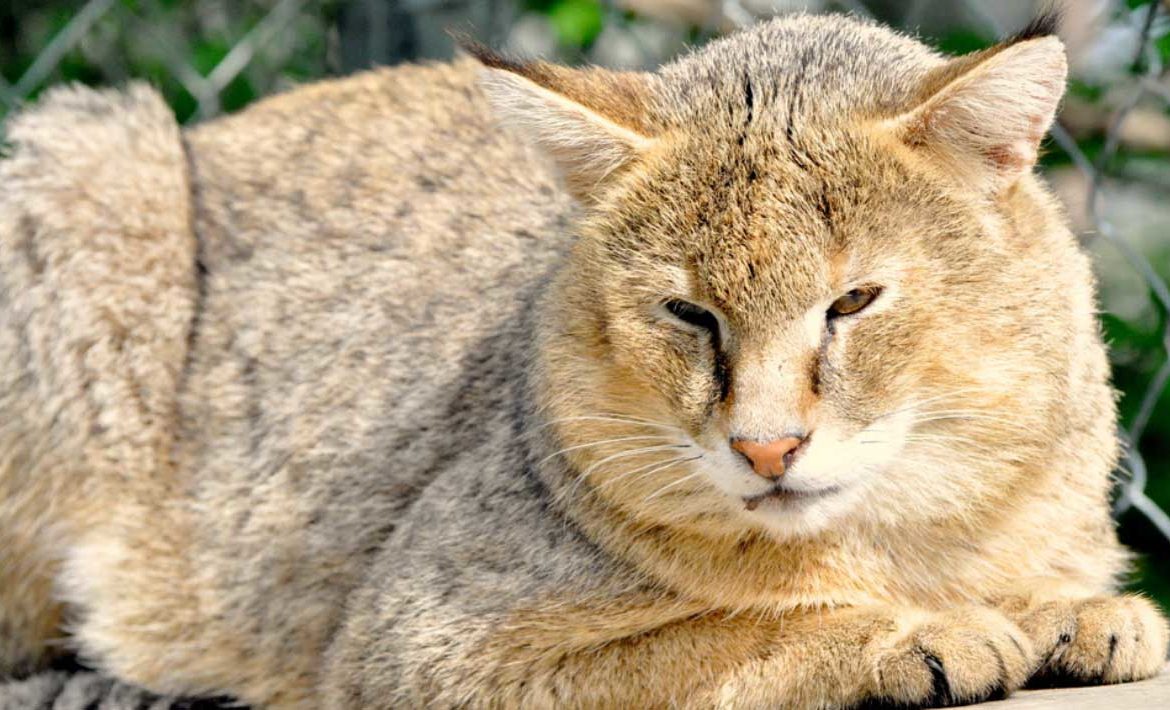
[(1096, 640), (961, 656)]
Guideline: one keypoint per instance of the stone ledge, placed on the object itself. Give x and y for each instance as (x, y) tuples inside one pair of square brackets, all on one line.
[(1153, 694)]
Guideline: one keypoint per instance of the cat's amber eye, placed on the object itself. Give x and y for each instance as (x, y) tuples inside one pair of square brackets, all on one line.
[(694, 315), (853, 302)]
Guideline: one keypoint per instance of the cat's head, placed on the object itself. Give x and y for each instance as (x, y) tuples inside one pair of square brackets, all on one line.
[(813, 281)]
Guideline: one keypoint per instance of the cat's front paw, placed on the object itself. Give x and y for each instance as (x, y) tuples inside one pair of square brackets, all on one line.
[(962, 656), (1096, 640)]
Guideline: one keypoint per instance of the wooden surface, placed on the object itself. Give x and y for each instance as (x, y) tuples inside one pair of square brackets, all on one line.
[(1151, 694)]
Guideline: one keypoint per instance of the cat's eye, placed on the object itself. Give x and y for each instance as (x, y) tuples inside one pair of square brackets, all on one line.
[(694, 315), (853, 302)]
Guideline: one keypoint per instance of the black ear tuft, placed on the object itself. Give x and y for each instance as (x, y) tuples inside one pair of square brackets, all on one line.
[(486, 55), (1045, 24)]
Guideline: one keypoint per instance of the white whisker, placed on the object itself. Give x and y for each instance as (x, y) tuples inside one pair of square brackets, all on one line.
[(633, 418), (658, 437), (652, 464), (950, 440), (654, 468), (623, 454), (965, 415), (615, 420), (668, 486), (919, 403)]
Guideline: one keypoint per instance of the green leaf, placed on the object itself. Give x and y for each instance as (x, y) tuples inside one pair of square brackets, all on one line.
[(207, 54), (1163, 46), (577, 22), (964, 41)]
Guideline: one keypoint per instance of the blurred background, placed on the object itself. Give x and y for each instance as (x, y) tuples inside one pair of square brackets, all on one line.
[(1108, 158)]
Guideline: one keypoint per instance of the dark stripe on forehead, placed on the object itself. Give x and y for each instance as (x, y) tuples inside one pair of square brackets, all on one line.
[(749, 98)]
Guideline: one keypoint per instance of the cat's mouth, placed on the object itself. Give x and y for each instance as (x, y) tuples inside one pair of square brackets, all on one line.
[(783, 495)]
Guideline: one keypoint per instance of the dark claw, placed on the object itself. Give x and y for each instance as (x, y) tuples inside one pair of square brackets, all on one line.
[(1000, 692), (940, 691), (941, 687), (1019, 647)]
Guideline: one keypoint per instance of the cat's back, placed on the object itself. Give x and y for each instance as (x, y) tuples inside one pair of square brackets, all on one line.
[(367, 247), (270, 332), (362, 234), (356, 239), (405, 161)]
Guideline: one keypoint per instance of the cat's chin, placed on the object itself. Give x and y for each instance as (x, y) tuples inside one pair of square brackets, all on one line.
[(788, 514), (780, 495)]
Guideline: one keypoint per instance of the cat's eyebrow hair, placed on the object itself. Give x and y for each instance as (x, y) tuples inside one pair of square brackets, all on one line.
[(824, 207)]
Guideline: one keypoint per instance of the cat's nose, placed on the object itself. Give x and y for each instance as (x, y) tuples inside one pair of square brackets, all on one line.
[(769, 459)]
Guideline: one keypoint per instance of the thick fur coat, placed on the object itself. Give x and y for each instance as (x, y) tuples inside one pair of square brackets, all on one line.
[(373, 394)]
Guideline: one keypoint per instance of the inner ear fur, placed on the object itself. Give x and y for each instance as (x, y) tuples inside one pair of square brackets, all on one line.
[(591, 122), (982, 117)]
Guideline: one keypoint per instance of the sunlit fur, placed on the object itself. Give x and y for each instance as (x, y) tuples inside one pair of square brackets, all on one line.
[(764, 194), (368, 396), (967, 408)]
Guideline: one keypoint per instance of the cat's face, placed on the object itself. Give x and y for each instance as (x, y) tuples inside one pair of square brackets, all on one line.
[(843, 306), (790, 329)]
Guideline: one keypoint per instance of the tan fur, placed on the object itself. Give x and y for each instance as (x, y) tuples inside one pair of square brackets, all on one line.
[(591, 146), (1019, 86), (344, 401)]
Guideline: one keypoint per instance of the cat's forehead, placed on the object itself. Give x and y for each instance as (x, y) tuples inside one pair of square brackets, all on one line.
[(751, 238), (776, 194), (773, 224), (768, 256), (796, 68)]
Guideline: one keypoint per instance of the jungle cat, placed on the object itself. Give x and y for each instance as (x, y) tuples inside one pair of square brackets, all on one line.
[(771, 378)]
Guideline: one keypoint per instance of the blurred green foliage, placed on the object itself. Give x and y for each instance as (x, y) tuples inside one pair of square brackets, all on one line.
[(161, 41), (577, 22)]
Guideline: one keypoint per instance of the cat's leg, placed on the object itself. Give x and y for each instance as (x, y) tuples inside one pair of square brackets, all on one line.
[(898, 657), (628, 654), (1089, 639)]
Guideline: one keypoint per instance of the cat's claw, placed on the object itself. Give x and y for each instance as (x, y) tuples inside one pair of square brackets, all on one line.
[(1096, 640), (954, 658)]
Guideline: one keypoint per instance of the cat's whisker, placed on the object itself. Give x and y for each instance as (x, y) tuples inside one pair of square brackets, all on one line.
[(627, 453), (955, 409), (633, 418), (976, 412), (951, 441), (615, 420), (964, 415), (954, 444), (668, 486), (626, 417), (628, 480), (603, 442), (947, 456), (578, 479), (643, 472), (929, 400)]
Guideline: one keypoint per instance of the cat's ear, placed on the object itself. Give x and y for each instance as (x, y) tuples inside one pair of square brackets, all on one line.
[(982, 117), (592, 122)]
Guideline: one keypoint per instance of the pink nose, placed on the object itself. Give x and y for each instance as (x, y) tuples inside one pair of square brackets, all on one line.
[(769, 459)]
